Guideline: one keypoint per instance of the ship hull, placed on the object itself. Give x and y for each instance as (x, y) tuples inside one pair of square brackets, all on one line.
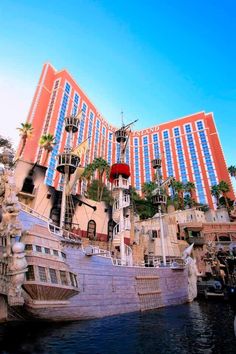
[(88, 285), (105, 290)]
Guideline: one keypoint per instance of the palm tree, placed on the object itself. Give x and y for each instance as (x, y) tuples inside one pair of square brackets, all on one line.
[(232, 171), (215, 191), (224, 188), (26, 132), (102, 167), (47, 141), (88, 173), (179, 189), (189, 187), (147, 189)]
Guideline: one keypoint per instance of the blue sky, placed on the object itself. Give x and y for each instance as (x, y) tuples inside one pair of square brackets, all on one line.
[(155, 60)]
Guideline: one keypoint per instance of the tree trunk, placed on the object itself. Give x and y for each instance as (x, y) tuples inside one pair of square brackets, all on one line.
[(23, 145), (46, 158)]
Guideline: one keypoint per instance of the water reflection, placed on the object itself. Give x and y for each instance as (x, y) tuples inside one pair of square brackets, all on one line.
[(194, 328)]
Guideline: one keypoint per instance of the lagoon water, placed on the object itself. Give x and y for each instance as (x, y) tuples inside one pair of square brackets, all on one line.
[(200, 327)]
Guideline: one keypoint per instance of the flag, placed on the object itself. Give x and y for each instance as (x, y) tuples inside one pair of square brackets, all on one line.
[(81, 148)]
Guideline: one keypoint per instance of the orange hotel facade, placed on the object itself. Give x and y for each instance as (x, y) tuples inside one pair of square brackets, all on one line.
[(189, 147)]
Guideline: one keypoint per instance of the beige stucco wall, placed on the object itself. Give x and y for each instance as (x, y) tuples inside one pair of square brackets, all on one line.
[(39, 202), (144, 229), (84, 213)]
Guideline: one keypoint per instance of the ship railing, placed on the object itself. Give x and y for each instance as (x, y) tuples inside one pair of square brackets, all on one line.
[(34, 212), (96, 250), (123, 203), (116, 230), (121, 183), (68, 235)]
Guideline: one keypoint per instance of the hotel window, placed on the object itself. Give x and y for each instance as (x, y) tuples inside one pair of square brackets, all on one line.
[(127, 153), (30, 273), (49, 113), (53, 276), (47, 250), (96, 141), (155, 146), (179, 151), (42, 274), (195, 165), (118, 152), (55, 252), (110, 136), (103, 142), (146, 159), (82, 123), (136, 165), (206, 154), (75, 105), (168, 154), (58, 133), (63, 277)]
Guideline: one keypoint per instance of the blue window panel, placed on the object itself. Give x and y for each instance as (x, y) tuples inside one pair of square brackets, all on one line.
[(58, 133), (200, 125), (118, 152), (195, 166), (188, 128), (207, 156), (82, 124), (176, 131), (146, 159), (136, 164), (110, 135), (168, 156), (75, 105), (67, 88), (97, 133), (180, 156), (165, 134)]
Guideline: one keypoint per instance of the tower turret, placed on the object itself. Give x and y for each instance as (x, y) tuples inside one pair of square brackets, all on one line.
[(67, 162)]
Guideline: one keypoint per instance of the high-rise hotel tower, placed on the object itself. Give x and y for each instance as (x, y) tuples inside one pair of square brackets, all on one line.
[(189, 146)]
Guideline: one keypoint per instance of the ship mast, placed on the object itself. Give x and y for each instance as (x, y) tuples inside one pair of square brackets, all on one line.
[(68, 161), (159, 198), (120, 172)]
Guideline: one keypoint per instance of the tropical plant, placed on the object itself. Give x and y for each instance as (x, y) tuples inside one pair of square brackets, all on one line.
[(215, 191), (224, 188), (47, 141), (147, 189), (189, 187), (92, 192), (189, 202), (178, 188), (88, 174), (26, 132), (232, 171), (103, 169)]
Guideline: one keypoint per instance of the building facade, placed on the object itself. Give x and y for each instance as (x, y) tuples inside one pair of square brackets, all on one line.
[(189, 147)]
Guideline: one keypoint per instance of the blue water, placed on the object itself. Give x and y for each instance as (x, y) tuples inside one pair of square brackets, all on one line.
[(199, 327)]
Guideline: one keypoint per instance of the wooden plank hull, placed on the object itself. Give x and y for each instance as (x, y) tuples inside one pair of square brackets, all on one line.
[(105, 289)]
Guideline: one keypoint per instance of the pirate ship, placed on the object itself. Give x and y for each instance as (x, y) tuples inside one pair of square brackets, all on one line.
[(48, 273)]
